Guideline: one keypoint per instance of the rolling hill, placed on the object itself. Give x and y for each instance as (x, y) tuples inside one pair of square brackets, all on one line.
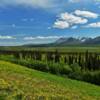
[(20, 83)]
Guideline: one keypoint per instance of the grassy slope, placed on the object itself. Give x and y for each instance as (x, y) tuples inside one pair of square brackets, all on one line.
[(17, 82)]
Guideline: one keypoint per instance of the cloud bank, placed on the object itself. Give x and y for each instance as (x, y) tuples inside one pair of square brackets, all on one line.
[(42, 37), (93, 25), (82, 1), (7, 37), (78, 17), (31, 3), (87, 14), (61, 24), (67, 20)]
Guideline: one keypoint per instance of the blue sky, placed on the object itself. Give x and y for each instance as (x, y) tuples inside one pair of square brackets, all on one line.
[(44, 21)]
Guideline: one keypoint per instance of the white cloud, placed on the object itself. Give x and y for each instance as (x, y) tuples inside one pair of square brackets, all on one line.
[(74, 1), (29, 38), (81, 1), (93, 25), (67, 20), (42, 37), (72, 19), (61, 24), (87, 14), (7, 37), (31, 3)]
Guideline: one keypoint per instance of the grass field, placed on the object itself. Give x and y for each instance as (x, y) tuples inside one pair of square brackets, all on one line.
[(61, 49), (20, 83), (69, 49)]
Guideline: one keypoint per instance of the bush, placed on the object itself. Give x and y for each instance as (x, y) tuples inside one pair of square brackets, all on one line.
[(66, 70), (76, 72), (41, 66), (75, 68), (87, 76), (92, 77), (96, 78), (54, 68), (59, 69)]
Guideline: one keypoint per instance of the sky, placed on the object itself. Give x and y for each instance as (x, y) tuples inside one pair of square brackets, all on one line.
[(45, 21)]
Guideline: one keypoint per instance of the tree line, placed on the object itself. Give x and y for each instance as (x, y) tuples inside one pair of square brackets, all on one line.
[(86, 60)]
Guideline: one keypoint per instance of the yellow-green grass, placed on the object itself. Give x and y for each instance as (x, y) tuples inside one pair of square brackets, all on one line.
[(60, 49), (67, 49), (20, 83)]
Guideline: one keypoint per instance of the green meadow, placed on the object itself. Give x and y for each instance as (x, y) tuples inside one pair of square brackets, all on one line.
[(61, 49), (20, 83)]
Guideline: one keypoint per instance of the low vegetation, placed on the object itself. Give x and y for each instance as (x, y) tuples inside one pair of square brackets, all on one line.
[(72, 71)]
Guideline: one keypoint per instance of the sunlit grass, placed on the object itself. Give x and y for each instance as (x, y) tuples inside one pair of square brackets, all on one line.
[(20, 83)]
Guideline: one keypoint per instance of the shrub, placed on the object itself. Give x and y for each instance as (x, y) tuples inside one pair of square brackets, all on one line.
[(38, 65), (92, 77), (66, 70), (96, 77), (75, 68), (76, 72), (54, 68)]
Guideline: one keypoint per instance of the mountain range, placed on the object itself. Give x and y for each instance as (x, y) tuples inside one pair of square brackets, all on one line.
[(70, 41)]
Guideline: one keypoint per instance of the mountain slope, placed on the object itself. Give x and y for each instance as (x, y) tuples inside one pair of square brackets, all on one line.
[(18, 82), (68, 41), (78, 41)]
